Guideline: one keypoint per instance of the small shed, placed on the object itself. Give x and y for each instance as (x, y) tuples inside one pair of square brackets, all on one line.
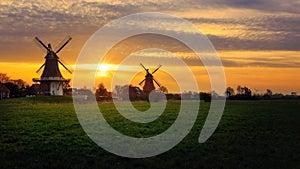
[(4, 92)]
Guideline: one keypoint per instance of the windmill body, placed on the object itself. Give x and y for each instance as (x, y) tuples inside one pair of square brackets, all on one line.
[(51, 80), (149, 84)]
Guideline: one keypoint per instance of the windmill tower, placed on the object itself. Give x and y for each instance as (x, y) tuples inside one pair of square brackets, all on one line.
[(149, 85), (51, 80)]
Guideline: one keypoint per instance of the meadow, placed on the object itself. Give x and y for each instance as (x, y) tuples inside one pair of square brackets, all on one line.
[(44, 132)]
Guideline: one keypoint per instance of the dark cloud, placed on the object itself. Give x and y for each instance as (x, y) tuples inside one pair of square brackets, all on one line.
[(21, 21), (271, 32), (234, 43), (287, 6)]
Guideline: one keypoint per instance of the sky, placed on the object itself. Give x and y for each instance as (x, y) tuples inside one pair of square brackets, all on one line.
[(257, 40)]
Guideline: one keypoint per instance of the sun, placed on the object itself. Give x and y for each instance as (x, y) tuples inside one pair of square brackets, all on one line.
[(105, 69)]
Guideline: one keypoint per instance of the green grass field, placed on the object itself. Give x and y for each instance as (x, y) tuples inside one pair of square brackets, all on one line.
[(44, 132)]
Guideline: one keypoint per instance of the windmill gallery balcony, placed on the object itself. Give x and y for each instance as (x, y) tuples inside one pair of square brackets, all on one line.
[(57, 79)]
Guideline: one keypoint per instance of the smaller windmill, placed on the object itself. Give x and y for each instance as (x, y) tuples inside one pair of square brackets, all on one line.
[(149, 78), (51, 80)]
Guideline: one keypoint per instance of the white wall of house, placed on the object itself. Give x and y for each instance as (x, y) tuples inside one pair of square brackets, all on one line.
[(56, 88)]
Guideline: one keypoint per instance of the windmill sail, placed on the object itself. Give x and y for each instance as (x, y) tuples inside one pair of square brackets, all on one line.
[(64, 43)]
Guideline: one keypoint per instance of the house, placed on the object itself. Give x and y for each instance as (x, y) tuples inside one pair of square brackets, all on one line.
[(4, 92)]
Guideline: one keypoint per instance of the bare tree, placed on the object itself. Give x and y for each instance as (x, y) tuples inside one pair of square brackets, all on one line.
[(229, 91), (246, 91), (239, 89), (101, 92), (163, 89), (4, 78), (269, 92), (20, 83)]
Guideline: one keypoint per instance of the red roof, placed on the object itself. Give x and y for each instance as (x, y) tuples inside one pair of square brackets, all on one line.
[(3, 88)]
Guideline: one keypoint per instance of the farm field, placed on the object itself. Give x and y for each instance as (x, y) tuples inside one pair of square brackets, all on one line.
[(44, 132)]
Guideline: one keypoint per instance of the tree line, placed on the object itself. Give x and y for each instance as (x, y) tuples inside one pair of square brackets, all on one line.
[(19, 88), (134, 93), (245, 93)]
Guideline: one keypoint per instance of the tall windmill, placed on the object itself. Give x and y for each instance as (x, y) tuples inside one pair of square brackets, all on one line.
[(149, 85), (51, 80)]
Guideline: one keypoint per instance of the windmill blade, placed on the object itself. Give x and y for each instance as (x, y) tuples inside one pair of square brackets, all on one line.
[(143, 66), (65, 67), (40, 68), (142, 82), (40, 46), (64, 42), (156, 82), (39, 42), (156, 69)]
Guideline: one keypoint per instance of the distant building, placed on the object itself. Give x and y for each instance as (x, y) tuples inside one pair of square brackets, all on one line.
[(36, 89), (4, 92)]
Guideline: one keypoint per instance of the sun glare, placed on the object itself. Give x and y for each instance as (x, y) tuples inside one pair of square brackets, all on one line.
[(103, 70)]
